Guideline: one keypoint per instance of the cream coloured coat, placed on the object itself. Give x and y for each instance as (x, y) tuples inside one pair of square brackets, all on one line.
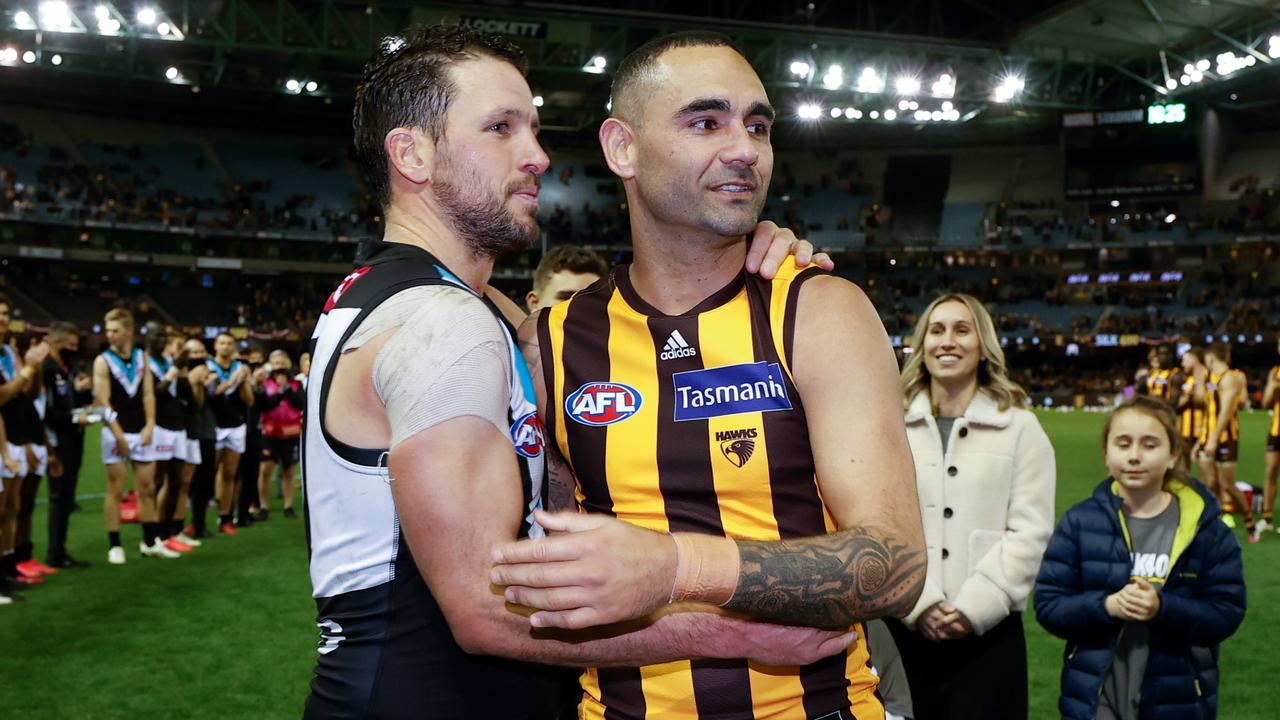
[(987, 506)]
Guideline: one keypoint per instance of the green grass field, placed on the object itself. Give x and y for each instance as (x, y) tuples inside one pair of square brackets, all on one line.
[(229, 633)]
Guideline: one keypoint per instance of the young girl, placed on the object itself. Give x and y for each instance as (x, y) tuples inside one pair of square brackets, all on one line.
[(1143, 580)]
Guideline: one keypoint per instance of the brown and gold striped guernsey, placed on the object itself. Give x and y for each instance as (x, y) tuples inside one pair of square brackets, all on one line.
[(692, 423), (1191, 419), (1159, 384), (1213, 406)]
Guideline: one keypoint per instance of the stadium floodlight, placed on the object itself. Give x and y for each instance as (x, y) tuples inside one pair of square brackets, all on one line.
[(292, 85), (944, 86), (538, 101), (947, 106), (147, 16), (890, 114), (54, 15), (935, 116), (870, 81), (312, 86), (809, 111), (1188, 68), (1170, 218), (109, 26), (1185, 79), (875, 115), (1008, 88), (904, 104), (834, 77), (8, 55), (163, 28), (102, 12), (1273, 46), (1196, 76), (28, 57), (172, 73), (1202, 64), (907, 85), (56, 59), (596, 65), (852, 113), (1115, 203), (836, 112), (800, 68), (922, 115), (1171, 84), (22, 19)]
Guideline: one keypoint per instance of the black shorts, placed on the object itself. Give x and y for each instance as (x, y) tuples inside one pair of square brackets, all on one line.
[(1228, 451), (281, 450), (1273, 443)]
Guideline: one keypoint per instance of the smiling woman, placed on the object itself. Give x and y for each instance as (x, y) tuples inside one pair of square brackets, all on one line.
[(985, 475)]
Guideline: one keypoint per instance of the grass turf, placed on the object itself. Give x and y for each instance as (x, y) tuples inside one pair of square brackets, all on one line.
[(229, 631)]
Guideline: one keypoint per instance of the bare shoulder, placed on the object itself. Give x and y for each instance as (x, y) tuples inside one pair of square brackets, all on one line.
[(832, 293), (528, 330)]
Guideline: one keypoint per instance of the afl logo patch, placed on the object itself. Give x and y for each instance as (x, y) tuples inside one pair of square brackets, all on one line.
[(527, 436), (603, 403)]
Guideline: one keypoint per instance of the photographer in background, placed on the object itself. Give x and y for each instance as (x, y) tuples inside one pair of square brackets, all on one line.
[(283, 401)]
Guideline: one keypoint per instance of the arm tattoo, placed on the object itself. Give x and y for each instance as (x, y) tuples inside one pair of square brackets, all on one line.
[(561, 483), (829, 581)]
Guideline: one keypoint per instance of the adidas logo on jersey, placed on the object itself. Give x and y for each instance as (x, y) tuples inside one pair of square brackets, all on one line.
[(676, 347)]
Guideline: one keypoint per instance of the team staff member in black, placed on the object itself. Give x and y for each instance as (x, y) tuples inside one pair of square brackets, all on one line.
[(230, 395), (247, 500), (201, 440), (124, 388), (65, 389)]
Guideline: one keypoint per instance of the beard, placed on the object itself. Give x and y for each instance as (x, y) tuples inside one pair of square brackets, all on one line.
[(481, 218)]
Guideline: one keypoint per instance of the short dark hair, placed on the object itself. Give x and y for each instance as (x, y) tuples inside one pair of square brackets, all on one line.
[(63, 329), (1196, 352), (573, 258), (407, 84), (639, 62), (4, 300), (1220, 350)]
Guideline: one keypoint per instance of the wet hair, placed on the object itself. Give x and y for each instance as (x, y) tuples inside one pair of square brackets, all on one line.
[(573, 258), (407, 83), (1163, 414), (626, 94)]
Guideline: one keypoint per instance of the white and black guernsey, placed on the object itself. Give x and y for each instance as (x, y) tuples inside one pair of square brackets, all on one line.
[(228, 407), (171, 398), (386, 650), (126, 376)]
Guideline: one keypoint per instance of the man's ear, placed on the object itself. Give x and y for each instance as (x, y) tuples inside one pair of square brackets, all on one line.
[(531, 300), (617, 140), (411, 154)]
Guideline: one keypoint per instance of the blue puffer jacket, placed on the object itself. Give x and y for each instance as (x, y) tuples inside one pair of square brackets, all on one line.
[(1202, 603)]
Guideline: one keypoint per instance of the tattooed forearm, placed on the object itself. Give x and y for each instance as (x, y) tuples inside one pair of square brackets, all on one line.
[(830, 581), (561, 484)]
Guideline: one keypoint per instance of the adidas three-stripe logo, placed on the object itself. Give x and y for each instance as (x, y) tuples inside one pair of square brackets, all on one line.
[(676, 347)]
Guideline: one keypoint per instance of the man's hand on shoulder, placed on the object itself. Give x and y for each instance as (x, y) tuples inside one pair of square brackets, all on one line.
[(771, 245)]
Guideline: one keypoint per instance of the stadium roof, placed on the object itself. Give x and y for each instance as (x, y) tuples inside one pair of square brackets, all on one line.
[(1000, 64)]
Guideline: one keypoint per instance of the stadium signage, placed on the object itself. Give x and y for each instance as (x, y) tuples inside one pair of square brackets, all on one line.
[(514, 28), (1099, 119), (729, 390)]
